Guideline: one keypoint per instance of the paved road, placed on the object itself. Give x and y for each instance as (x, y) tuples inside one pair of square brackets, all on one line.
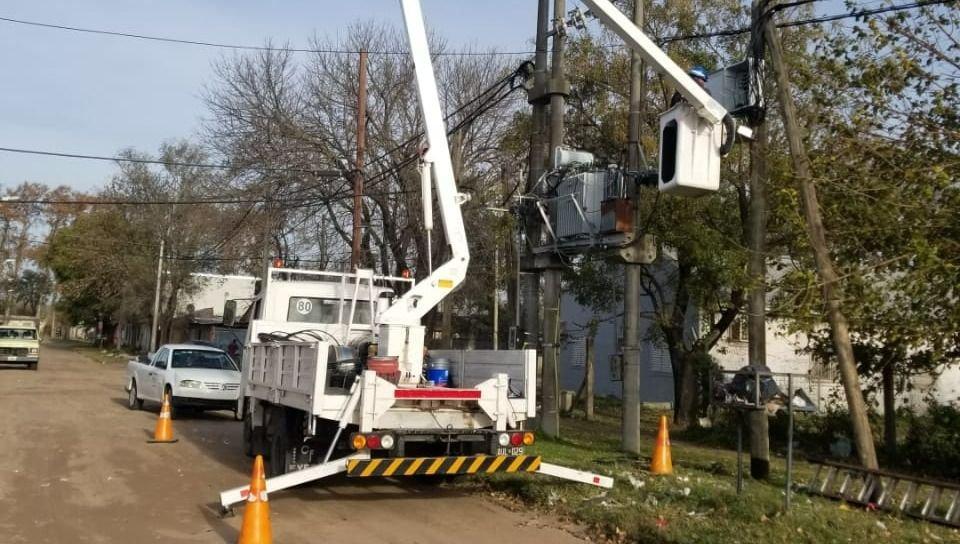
[(75, 467)]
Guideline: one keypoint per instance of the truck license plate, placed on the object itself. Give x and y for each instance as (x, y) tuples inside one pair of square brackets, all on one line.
[(510, 451)]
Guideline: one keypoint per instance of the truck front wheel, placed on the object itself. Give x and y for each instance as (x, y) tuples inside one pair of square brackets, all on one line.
[(133, 402)]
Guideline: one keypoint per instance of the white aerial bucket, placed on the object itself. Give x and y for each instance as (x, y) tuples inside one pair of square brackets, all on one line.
[(689, 152)]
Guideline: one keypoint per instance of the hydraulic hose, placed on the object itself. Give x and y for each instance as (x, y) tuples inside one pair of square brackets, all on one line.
[(730, 135)]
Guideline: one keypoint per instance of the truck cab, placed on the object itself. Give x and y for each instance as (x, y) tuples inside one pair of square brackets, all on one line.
[(20, 343)]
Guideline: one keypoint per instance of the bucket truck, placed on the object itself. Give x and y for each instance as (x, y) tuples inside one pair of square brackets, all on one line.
[(333, 369)]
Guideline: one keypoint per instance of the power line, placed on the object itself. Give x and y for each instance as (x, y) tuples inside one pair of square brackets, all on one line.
[(244, 47), (292, 202), (318, 173), (804, 22)]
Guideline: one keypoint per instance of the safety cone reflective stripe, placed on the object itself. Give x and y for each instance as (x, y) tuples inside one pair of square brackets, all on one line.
[(662, 462), (256, 513), (163, 432)]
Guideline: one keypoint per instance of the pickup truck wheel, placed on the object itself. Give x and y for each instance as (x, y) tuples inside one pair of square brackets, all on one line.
[(133, 402), (32, 366), (175, 411)]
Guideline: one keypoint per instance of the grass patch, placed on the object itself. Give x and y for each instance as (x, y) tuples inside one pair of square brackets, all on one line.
[(104, 356), (699, 503)]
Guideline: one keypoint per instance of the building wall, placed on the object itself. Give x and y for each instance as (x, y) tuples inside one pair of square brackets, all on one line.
[(656, 376), (213, 291)]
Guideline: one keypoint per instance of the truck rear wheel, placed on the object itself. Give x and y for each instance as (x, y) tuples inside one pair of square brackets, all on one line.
[(284, 433)]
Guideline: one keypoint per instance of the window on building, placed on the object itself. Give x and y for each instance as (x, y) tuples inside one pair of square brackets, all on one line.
[(737, 332), (660, 360)]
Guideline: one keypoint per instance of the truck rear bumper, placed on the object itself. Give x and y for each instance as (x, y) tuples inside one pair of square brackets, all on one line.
[(442, 466)]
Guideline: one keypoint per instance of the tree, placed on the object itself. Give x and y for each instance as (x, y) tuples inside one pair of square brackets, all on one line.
[(273, 111), (105, 260), (887, 149), (32, 287)]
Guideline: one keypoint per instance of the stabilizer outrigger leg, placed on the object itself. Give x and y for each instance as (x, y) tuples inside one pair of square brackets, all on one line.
[(362, 466)]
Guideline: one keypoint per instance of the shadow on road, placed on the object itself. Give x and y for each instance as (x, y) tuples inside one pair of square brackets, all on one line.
[(211, 513)]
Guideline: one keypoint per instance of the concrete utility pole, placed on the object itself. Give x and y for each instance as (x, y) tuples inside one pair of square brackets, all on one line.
[(756, 267), (630, 422), (358, 171), (817, 235), (528, 283), (552, 274)]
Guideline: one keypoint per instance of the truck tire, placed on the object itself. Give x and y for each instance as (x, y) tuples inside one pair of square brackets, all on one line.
[(32, 366), (284, 432), (133, 402)]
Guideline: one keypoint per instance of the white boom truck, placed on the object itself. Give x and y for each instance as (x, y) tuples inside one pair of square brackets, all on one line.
[(333, 371)]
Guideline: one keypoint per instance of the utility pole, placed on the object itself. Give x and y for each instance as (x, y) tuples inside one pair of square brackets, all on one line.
[(839, 327), (496, 298), (552, 273), (630, 422), (530, 278), (756, 266), (156, 297), (358, 170)]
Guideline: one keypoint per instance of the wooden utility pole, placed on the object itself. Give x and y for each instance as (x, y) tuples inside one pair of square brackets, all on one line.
[(839, 328), (757, 265), (630, 423), (553, 274), (355, 260)]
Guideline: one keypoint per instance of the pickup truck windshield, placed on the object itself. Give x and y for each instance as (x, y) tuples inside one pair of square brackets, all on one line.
[(21, 334), (195, 358)]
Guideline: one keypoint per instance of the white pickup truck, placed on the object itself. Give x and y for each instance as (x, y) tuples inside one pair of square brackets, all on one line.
[(197, 377)]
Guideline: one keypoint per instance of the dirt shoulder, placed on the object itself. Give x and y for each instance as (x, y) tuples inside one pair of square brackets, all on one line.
[(76, 468)]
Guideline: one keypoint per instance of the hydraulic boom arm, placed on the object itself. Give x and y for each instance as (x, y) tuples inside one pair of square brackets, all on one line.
[(427, 293), (615, 20)]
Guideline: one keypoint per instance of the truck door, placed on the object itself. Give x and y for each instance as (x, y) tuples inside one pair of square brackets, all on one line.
[(155, 375)]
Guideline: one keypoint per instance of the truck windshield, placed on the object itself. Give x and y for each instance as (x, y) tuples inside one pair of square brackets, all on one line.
[(326, 310), (195, 358), (22, 334)]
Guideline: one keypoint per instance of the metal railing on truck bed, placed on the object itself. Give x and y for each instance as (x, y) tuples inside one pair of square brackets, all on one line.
[(297, 375)]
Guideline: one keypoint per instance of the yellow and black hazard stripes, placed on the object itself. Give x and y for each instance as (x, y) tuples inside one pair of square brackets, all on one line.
[(429, 466)]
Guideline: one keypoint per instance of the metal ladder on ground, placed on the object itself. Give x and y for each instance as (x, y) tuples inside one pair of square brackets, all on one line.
[(921, 498)]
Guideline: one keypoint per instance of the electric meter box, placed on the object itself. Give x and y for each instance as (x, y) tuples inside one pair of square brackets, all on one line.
[(689, 152)]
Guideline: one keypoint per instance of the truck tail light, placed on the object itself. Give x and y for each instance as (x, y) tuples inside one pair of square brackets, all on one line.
[(503, 440), (516, 439), (528, 439), (372, 441)]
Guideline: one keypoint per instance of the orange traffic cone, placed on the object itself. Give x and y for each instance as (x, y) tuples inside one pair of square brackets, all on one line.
[(662, 463), (163, 432), (256, 515)]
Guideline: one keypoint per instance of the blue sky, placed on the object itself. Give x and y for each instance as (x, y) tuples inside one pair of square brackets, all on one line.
[(88, 94)]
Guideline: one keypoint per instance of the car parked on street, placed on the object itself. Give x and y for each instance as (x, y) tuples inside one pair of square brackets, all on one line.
[(197, 377)]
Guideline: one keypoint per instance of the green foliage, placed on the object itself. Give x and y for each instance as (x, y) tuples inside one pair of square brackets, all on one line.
[(698, 503), (31, 288), (932, 443)]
